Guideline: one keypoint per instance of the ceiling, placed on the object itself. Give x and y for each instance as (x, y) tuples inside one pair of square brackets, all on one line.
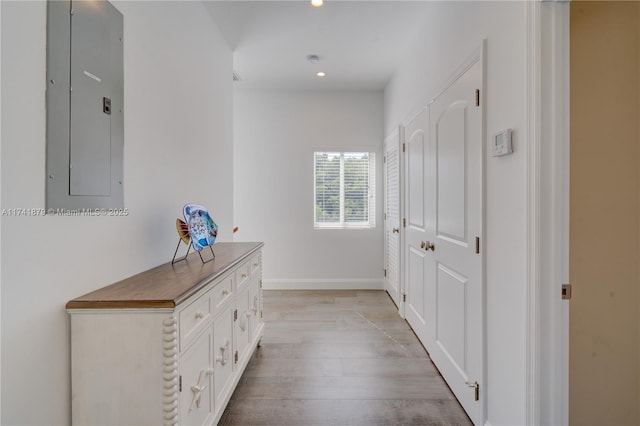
[(359, 43)]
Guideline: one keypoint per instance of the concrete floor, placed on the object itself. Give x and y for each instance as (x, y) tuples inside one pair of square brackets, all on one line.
[(339, 358)]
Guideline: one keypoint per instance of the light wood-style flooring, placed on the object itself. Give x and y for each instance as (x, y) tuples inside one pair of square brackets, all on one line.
[(339, 358)]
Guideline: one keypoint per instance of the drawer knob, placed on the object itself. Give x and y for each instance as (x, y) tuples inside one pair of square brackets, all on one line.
[(223, 358), (254, 310), (197, 391), (244, 275), (199, 315), (225, 292), (243, 321), (255, 264)]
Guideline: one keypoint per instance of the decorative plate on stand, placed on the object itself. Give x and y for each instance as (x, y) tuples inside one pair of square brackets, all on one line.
[(202, 228)]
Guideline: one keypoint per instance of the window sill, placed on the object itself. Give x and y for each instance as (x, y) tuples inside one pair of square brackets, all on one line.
[(344, 228)]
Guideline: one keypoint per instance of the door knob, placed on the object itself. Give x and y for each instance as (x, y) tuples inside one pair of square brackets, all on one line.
[(395, 230), (430, 246), (422, 244)]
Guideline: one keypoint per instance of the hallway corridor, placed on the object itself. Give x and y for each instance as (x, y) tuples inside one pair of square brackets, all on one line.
[(339, 358)]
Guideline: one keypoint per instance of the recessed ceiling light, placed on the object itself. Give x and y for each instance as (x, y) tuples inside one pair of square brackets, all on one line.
[(314, 59), (321, 74), (317, 3)]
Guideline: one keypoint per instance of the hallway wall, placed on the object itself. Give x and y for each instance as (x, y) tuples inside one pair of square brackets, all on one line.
[(275, 134), (451, 32), (177, 149), (604, 366)]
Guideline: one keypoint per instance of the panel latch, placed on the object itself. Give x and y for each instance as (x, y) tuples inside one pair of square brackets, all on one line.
[(566, 291), (106, 105)]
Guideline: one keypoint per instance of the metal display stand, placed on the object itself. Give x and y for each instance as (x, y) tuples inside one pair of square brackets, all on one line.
[(209, 260), (174, 260), (176, 253), (185, 238)]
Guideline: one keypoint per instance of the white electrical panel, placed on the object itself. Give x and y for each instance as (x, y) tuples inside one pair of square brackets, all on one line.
[(85, 103)]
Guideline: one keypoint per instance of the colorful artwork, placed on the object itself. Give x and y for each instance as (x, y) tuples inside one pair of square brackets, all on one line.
[(183, 231), (202, 229)]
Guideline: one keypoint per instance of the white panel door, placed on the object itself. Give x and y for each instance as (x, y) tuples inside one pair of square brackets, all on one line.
[(456, 194), (417, 265), (392, 217)]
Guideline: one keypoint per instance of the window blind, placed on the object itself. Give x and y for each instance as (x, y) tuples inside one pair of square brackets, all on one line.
[(344, 189)]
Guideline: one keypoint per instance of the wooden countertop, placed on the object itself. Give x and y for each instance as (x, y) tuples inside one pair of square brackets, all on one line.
[(167, 285)]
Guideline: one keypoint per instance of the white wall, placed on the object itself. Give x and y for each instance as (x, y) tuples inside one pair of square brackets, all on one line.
[(275, 133), (178, 149), (452, 30)]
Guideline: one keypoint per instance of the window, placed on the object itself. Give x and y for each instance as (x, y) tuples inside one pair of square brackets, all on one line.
[(344, 189)]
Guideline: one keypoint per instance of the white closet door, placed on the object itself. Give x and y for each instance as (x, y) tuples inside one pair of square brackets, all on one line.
[(455, 278), (392, 224), (417, 265), (443, 257)]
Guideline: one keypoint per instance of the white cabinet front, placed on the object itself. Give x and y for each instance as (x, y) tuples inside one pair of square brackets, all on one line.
[(255, 309), (196, 400), (241, 323), (223, 356)]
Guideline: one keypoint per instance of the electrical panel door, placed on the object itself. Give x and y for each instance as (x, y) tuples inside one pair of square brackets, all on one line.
[(85, 92)]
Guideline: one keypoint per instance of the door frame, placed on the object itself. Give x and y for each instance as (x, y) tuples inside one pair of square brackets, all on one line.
[(401, 179), (547, 364)]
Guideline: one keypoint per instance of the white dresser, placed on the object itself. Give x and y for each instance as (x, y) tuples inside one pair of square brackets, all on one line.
[(167, 346)]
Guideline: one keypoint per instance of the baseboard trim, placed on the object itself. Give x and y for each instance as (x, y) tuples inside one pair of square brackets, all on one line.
[(323, 284)]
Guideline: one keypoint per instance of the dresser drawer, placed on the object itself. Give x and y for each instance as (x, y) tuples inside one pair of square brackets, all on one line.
[(255, 266), (195, 316), (222, 292), (242, 275)]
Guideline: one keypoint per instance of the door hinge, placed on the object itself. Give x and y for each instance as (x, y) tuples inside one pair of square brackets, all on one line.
[(566, 291), (476, 388), (477, 245), (404, 222), (384, 159), (385, 272), (404, 147), (180, 383), (477, 97), (235, 315), (404, 297), (385, 216), (235, 357)]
